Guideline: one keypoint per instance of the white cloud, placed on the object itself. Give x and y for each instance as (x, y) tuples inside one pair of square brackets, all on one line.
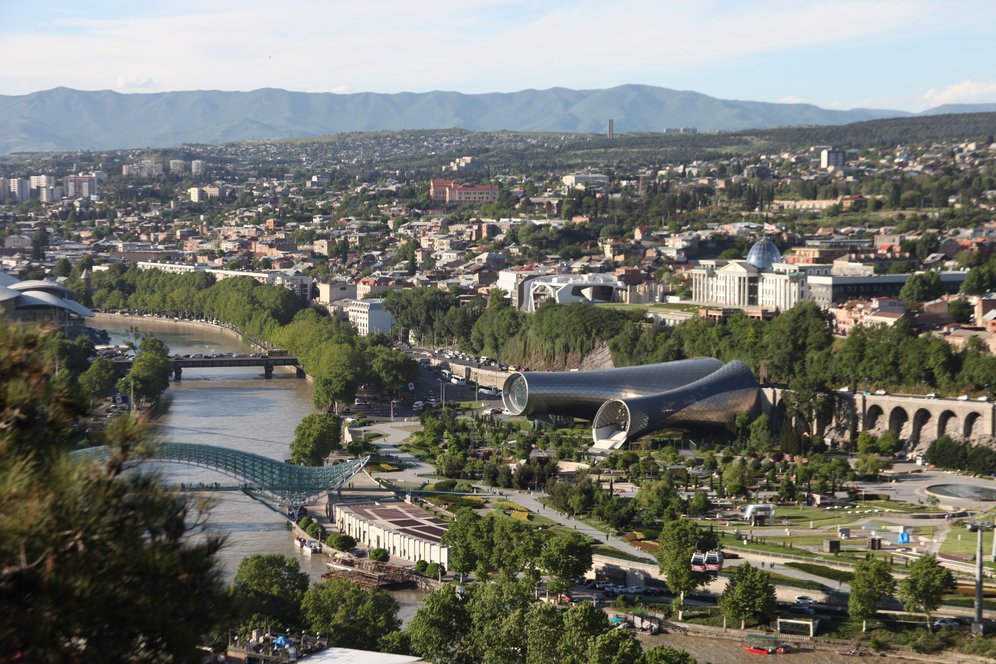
[(966, 92), (470, 46), (131, 82)]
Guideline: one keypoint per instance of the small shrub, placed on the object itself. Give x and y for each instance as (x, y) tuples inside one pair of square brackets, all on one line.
[(379, 555), (432, 570), (315, 530), (304, 522), (342, 542), (929, 643), (420, 567)]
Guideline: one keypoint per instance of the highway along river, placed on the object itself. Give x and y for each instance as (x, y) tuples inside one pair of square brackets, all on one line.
[(230, 407)]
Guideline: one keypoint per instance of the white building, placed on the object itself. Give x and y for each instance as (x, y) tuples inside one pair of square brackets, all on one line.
[(573, 180), (832, 158), (197, 167), (568, 288), (403, 530), (336, 290), (741, 284), (171, 268), (20, 189), (369, 316)]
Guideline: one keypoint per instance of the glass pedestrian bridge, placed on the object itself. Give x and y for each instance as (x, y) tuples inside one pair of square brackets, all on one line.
[(289, 483)]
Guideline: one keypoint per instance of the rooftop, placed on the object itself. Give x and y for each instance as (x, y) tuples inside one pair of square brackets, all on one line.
[(404, 518)]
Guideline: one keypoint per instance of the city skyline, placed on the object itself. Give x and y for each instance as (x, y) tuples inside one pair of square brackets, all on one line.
[(879, 53)]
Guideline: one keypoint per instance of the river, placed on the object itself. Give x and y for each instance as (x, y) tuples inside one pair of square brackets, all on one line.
[(231, 407)]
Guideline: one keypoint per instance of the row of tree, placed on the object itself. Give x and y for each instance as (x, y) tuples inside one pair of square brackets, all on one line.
[(944, 452), (337, 359)]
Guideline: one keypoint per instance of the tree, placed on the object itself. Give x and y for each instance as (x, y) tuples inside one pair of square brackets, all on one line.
[(497, 612), (961, 311), (748, 592), (679, 539), (872, 585), (872, 464), (460, 537), (116, 576), (582, 623), (667, 655), (441, 624), (921, 287), (340, 373), (699, 504), (759, 434), (379, 555), (615, 647), (544, 625), (315, 437), (566, 558), (352, 616), (98, 380), (270, 586), (924, 587)]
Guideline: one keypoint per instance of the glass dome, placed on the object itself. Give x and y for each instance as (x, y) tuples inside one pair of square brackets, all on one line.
[(763, 254)]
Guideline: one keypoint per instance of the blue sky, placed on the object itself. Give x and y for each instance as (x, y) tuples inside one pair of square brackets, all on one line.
[(902, 54)]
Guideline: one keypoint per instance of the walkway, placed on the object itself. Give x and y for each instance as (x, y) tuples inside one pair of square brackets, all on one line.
[(287, 482)]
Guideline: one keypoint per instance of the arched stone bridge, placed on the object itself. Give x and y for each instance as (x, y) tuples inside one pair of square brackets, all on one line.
[(921, 420), (915, 419), (286, 482)]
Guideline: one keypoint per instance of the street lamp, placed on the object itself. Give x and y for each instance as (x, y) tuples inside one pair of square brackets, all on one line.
[(978, 627), (442, 393)]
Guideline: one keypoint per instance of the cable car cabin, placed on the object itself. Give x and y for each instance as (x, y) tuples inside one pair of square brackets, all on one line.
[(714, 561), (698, 562)]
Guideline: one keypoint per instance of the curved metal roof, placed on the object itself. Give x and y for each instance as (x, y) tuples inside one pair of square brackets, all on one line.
[(43, 299), (581, 393), (42, 285), (8, 293)]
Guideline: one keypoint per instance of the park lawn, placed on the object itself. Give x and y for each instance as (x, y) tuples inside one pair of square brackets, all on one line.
[(799, 517), (612, 552), (967, 544), (823, 571), (895, 505), (729, 540), (800, 540), (587, 520)]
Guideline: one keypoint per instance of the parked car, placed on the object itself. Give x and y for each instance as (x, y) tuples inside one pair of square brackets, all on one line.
[(805, 599), (947, 622), (803, 608)]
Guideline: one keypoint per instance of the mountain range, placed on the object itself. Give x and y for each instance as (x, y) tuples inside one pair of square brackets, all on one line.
[(67, 119)]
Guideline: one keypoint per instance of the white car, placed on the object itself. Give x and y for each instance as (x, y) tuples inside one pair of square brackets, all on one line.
[(805, 599), (947, 622)]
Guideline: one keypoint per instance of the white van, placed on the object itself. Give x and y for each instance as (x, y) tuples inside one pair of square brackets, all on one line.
[(456, 380), (446, 374)]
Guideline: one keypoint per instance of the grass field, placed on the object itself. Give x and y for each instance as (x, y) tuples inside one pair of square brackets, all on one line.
[(961, 542)]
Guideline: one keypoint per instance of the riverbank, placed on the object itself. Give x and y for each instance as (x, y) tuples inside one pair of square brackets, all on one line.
[(152, 321)]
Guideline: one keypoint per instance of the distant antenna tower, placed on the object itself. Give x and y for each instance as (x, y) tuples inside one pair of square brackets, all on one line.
[(611, 133)]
